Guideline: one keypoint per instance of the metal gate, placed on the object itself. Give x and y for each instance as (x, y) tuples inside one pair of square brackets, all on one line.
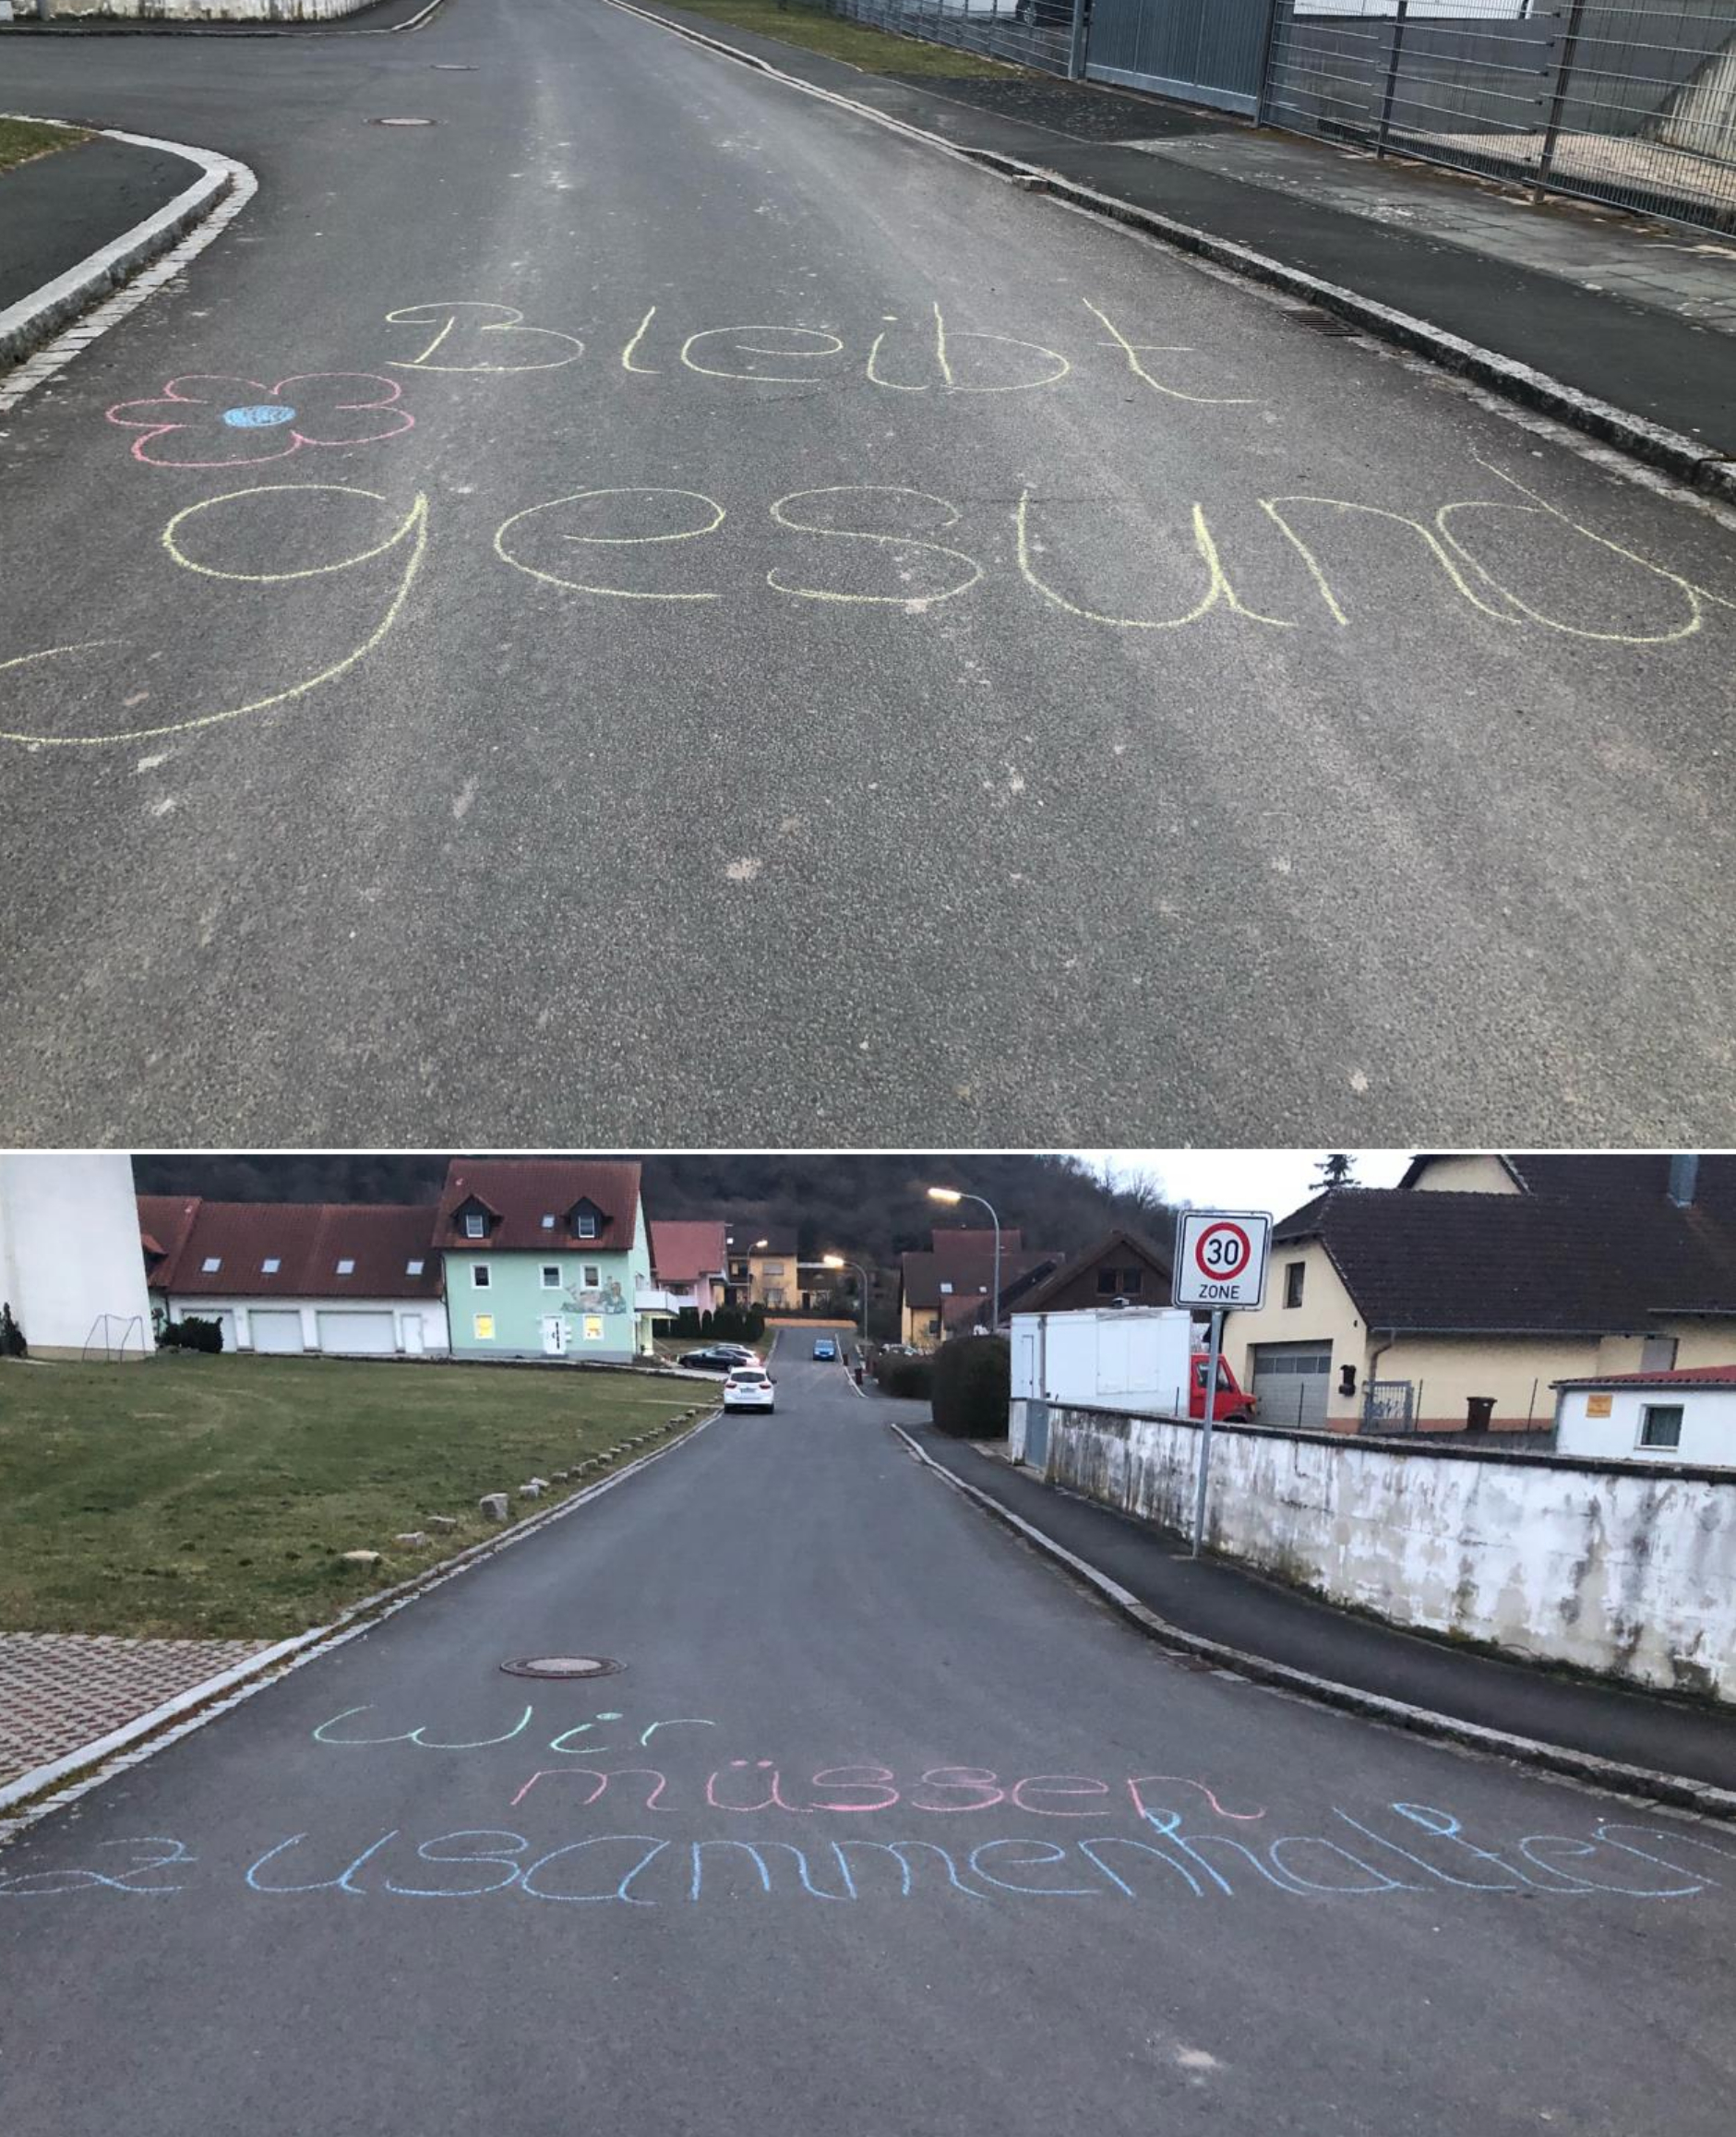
[(1037, 1436), (1388, 1406), (1211, 52)]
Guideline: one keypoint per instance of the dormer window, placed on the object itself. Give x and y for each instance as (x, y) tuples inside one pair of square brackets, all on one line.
[(475, 1224), (584, 1224), (346, 1267), (269, 1265)]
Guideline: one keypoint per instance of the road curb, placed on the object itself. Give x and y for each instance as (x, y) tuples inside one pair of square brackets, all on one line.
[(162, 28), (43, 331), (149, 1733), (1678, 1790), (1673, 452)]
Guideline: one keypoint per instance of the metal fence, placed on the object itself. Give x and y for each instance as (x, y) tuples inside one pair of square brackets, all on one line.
[(1634, 103), (1035, 33)]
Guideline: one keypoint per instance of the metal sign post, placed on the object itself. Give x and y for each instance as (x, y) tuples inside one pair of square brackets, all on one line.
[(1220, 1263)]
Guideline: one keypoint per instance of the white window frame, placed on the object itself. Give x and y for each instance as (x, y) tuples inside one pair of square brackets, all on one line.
[(475, 1224), (1648, 1410), (346, 1266), (412, 1268), (478, 1335), (481, 1277), (585, 1227), (551, 1276), (593, 1276), (270, 1265), (548, 1224), (212, 1263)]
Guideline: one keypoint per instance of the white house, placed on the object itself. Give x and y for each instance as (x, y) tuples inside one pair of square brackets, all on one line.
[(69, 1266), (343, 1279), (1681, 1417)]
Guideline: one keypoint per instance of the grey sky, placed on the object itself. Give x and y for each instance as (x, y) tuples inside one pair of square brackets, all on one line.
[(1278, 1181)]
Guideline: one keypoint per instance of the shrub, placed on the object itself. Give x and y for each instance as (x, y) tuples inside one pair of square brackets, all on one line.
[(192, 1334), (911, 1377), (972, 1379)]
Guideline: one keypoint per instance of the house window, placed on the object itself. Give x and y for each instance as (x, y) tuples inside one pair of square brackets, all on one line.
[(593, 1328), (585, 1225), (946, 1290), (346, 1268), (1294, 1272), (212, 1263), (484, 1327), (1660, 1424), (269, 1265), (774, 1268), (551, 1276), (1132, 1279), (481, 1276), (475, 1224), (1107, 1286), (548, 1224), (593, 1276), (412, 1268), (1658, 1355)]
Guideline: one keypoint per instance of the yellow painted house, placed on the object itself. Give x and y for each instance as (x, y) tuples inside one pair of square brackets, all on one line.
[(1460, 1295)]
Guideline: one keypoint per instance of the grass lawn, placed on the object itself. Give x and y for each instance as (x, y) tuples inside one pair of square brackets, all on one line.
[(210, 1497), (22, 140), (872, 49)]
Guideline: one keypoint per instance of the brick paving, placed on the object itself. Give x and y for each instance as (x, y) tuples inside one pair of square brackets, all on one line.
[(60, 1691)]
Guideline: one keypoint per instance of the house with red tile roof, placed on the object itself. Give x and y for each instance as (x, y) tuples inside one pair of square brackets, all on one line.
[(690, 1260), (944, 1289), (298, 1278), (546, 1257)]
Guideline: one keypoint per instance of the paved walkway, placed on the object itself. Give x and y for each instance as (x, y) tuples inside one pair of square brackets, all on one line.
[(1637, 314), (59, 209), (1218, 1600), (60, 1691)]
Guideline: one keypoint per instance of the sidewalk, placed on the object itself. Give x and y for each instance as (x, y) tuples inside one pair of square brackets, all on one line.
[(1639, 315), (1217, 1601), (59, 209), (377, 15)]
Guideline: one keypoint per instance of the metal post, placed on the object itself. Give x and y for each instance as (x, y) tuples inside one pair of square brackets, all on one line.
[(1215, 1353), (1558, 102), (1530, 1408), (1392, 75), (1076, 42), (1269, 58)]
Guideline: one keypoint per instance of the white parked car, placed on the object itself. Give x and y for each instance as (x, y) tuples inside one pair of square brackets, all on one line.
[(749, 1388)]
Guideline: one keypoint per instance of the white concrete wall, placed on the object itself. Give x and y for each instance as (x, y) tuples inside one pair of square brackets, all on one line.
[(69, 1249), (432, 1312), (194, 10), (1708, 1425), (1624, 1569)]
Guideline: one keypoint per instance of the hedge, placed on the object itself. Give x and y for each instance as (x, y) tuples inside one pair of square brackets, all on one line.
[(972, 1380)]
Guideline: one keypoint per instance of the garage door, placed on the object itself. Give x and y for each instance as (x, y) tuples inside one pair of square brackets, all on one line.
[(278, 1332), (1291, 1382), (358, 1334)]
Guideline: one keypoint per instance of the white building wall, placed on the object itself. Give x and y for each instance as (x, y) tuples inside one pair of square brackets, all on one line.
[(1708, 1425), (1625, 1568), (235, 1313), (69, 1250)]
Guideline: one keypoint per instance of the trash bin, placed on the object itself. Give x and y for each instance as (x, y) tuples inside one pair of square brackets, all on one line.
[(1479, 1411)]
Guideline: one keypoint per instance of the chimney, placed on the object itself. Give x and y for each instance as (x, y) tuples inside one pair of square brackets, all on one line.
[(1684, 1172)]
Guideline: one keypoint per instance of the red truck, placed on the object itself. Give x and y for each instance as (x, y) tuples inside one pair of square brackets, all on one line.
[(1232, 1407)]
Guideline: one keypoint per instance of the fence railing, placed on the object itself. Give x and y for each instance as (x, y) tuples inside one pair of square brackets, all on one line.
[(1633, 103), (1628, 101)]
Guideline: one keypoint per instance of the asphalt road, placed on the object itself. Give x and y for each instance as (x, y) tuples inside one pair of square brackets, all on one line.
[(1231, 802), (278, 1926)]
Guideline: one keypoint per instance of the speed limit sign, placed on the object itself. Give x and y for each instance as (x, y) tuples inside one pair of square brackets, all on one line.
[(1221, 1258)]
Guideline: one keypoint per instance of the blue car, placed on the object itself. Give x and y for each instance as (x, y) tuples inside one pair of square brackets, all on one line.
[(826, 1348)]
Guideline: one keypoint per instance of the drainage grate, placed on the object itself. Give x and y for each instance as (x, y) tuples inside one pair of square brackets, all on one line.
[(563, 1666)]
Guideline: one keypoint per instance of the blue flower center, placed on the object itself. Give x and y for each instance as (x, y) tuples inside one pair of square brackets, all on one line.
[(258, 418)]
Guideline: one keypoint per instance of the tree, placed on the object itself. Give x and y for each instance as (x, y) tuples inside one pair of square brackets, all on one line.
[(1337, 1168)]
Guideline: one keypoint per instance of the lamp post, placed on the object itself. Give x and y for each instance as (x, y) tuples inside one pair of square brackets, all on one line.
[(836, 1261), (952, 1196)]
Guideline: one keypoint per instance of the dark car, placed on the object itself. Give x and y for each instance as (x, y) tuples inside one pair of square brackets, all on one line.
[(824, 1348), (717, 1358)]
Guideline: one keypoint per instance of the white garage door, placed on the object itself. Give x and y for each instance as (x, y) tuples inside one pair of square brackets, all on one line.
[(358, 1334), (277, 1331), (1292, 1381)]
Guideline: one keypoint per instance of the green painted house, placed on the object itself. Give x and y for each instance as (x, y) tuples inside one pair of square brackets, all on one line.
[(546, 1257)]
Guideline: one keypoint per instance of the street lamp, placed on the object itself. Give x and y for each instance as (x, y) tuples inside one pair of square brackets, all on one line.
[(836, 1261), (952, 1196)]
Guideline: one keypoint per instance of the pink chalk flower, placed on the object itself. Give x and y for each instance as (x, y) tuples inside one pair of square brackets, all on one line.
[(207, 420)]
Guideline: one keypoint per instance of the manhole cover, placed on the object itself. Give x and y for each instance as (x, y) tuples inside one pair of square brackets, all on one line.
[(563, 1666), (402, 122)]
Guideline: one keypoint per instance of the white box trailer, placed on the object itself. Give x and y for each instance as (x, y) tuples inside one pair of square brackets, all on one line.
[(1135, 1358)]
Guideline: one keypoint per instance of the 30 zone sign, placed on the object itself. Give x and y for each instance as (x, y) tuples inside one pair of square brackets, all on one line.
[(1221, 1258)]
